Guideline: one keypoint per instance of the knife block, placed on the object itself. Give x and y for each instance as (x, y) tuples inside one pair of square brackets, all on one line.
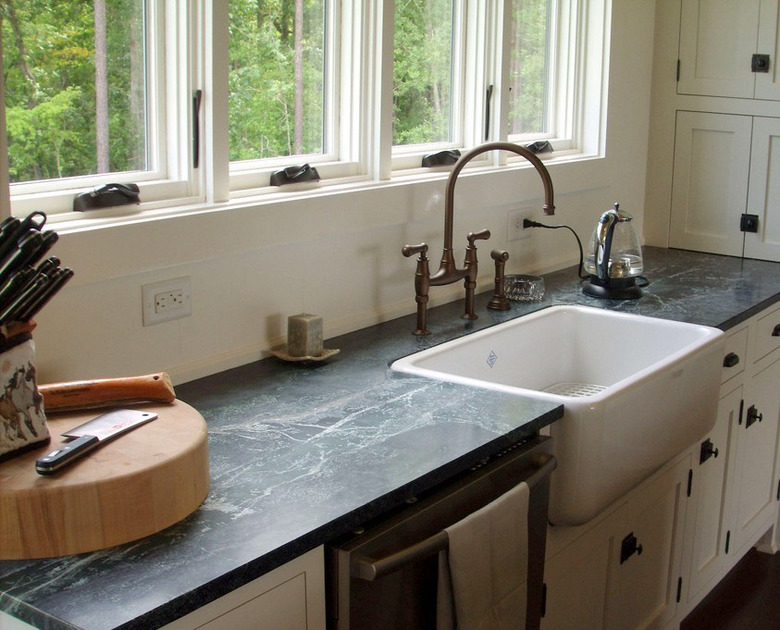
[(22, 419)]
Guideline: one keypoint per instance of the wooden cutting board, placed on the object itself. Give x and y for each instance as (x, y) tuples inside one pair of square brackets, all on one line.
[(133, 486)]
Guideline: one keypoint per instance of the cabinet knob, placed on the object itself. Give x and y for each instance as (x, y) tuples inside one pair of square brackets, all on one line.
[(628, 547), (707, 450), (753, 416), (730, 360), (776, 331)]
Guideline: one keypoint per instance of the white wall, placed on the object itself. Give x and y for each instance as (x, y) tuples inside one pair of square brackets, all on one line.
[(338, 256)]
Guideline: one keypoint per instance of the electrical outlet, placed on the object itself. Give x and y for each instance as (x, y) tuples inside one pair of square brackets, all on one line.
[(166, 300), (515, 230)]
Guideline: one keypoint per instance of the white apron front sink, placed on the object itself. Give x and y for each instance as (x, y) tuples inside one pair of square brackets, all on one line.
[(636, 391)]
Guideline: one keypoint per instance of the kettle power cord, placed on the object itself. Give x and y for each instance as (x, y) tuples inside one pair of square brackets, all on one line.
[(528, 223)]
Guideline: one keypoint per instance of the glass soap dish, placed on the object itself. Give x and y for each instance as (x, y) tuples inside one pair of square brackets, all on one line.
[(524, 288)]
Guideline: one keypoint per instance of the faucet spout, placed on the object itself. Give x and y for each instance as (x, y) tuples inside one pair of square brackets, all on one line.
[(449, 197)]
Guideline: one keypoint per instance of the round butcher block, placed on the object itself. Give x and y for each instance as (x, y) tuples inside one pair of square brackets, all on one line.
[(133, 486)]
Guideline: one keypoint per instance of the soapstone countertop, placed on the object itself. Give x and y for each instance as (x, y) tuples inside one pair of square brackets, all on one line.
[(301, 454)]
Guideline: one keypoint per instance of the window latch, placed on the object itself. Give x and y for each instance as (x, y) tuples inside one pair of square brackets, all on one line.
[(107, 196), (441, 158), (295, 175)]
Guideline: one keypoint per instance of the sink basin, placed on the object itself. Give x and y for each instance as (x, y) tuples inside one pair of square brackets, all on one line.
[(636, 391)]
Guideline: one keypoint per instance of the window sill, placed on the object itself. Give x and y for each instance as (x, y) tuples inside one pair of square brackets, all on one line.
[(66, 223)]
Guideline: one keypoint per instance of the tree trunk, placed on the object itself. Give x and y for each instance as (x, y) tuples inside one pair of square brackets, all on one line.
[(101, 88), (298, 78), (32, 101)]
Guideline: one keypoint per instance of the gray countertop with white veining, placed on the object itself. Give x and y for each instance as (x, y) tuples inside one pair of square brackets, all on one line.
[(301, 454)]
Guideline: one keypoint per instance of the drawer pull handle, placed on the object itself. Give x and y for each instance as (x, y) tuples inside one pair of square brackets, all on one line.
[(776, 331), (730, 360)]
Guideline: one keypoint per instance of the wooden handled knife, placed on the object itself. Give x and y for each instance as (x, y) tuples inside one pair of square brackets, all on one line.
[(108, 392)]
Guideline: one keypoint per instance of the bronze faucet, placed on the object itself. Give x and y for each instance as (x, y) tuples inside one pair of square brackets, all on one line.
[(448, 272)]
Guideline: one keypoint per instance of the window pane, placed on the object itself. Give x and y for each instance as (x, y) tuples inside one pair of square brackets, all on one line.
[(74, 87), (422, 72), (277, 78), (529, 66)]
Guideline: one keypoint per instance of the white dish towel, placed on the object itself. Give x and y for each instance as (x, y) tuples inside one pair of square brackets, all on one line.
[(483, 575)]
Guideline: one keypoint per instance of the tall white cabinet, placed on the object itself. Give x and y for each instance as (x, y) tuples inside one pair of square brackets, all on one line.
[(716, 126)]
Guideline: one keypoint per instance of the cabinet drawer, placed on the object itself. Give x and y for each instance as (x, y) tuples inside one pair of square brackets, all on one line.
[(735, 355), (767, 335)]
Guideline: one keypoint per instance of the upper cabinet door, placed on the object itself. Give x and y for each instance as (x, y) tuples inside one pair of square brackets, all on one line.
[(764, 196), (710, 181), (768, 83), (717, 41)]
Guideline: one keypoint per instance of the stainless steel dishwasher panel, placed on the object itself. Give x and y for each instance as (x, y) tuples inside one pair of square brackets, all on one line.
[(386, 577)]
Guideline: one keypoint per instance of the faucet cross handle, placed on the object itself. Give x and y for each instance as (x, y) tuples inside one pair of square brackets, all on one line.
[(411, 250), (482, 235), (422, 283)]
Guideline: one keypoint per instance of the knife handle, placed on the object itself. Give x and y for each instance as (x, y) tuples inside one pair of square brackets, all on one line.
[(109, 392), (66, 455)]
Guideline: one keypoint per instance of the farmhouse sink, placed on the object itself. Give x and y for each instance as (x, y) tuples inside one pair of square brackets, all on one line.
[(636, 391)]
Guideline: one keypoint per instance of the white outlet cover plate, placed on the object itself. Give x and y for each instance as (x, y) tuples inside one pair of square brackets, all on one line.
[(151, 316)]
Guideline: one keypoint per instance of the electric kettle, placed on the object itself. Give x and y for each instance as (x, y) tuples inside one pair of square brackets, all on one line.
[(614, 258)]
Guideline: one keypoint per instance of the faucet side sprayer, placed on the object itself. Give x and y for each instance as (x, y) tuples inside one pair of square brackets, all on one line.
[(448, 271)]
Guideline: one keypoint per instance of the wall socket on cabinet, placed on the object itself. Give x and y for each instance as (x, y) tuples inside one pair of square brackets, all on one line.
[(166, 300)]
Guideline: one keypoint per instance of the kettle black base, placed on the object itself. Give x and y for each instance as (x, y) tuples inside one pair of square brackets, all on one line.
[(612, 289)]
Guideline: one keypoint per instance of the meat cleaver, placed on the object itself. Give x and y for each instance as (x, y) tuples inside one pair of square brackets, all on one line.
[(90, 435)]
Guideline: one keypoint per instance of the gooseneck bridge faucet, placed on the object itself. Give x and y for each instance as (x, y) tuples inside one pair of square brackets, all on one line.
[(448, 271)]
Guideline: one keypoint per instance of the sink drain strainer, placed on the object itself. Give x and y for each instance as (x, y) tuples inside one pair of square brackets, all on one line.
[(575, 390)]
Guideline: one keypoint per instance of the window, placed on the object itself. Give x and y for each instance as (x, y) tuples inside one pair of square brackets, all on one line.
[(423, 72), (107, 91), (529, 67), (74, 88), (93, 94), (277, 97)]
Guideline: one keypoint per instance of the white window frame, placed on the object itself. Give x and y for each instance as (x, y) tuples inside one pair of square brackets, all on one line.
[(169, 28), (194, 33), (346, 55)]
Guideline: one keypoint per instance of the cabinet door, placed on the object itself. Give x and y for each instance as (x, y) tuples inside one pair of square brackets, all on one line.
[(764, 197), (755, 480), (768, 83), (709, 189), (642, 591), (576, 583), (717, 41), (291, 597), (708, 524)]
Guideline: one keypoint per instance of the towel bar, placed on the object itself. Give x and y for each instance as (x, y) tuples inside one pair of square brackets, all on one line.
[(368, 569)]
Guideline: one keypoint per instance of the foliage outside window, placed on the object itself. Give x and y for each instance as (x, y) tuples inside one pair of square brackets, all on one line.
[(529, 66), (74, 87), (422, 72), (277, 81)]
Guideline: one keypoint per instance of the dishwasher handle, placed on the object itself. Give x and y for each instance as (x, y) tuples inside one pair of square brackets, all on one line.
[(368, 569)]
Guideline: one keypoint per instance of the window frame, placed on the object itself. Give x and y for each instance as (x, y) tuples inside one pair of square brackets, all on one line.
[(168, 43), (193, 32)]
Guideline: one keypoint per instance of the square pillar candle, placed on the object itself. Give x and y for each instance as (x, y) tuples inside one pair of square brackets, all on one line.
[(304, 335)]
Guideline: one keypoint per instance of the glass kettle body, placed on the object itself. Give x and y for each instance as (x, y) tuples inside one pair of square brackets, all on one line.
[(614, 258)]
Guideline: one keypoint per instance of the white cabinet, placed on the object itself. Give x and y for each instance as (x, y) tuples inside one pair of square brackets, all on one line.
[(726, 165), (622, 571), (718, 41), (693, 520), (736, 493), (291, 597)]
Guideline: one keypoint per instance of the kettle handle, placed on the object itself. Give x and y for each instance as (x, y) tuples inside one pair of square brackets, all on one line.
[(606, 232)]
